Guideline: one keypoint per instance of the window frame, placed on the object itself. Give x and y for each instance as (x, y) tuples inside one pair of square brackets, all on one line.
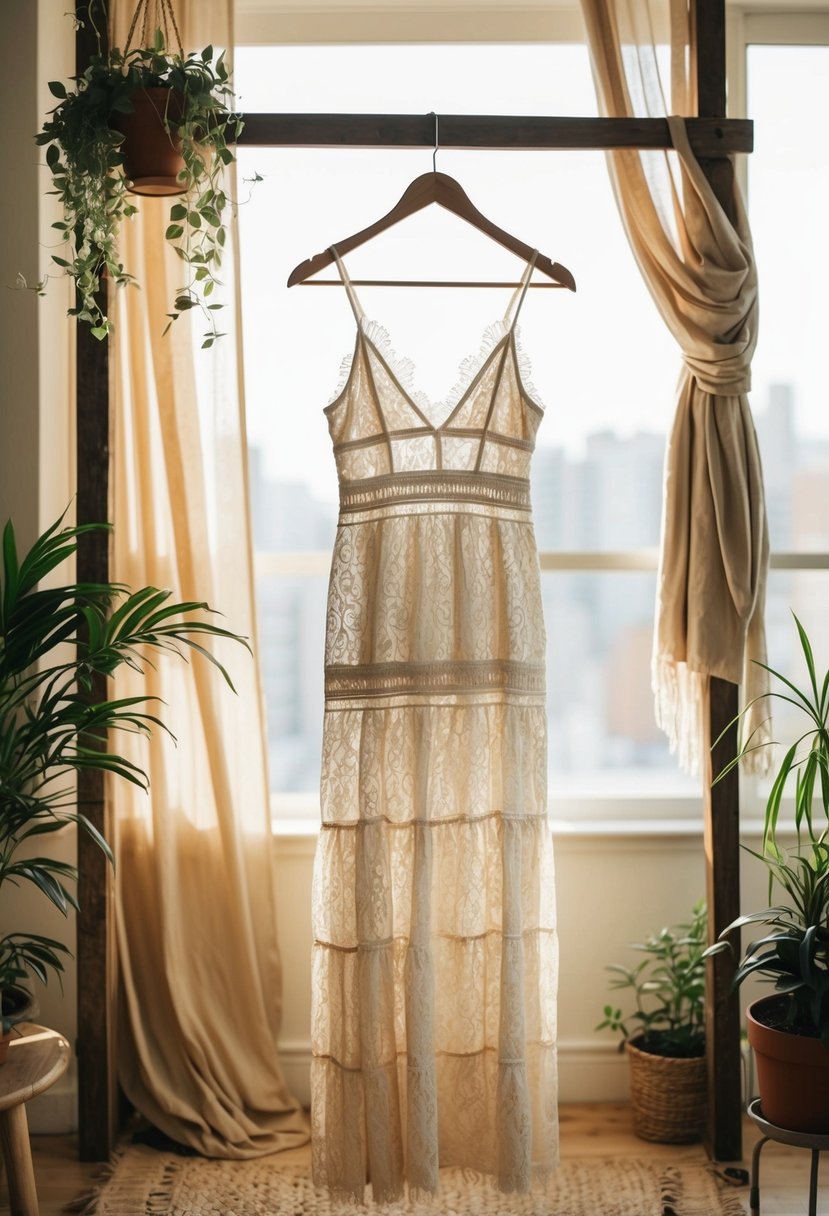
[(262, 23)]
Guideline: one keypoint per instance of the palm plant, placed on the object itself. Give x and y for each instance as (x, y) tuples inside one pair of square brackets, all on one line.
[(794, 956), (55, 644)]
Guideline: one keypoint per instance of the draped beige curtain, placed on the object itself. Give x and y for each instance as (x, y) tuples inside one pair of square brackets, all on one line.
[(699, 267), (200, 972)]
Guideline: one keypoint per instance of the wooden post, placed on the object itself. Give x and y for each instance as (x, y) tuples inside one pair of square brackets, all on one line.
[(721, 835), (97, 1082), (723, 1137)]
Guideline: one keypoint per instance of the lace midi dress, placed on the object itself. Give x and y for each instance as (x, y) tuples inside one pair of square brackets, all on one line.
[(435, 953)]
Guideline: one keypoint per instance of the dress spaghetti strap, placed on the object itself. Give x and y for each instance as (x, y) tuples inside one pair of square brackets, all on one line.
[(347, 284), (514, 306)]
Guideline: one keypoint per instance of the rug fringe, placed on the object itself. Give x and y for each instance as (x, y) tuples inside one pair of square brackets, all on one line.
[(682, 1194), (153, 1184), (160, 1198), (86, 1203), (83, 1204)]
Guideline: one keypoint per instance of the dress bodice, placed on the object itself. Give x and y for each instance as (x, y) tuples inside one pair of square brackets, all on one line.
[(386, 441)]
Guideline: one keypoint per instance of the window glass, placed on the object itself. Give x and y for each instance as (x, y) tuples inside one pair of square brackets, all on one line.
[(788, 95), (788, 176), (602, 363)]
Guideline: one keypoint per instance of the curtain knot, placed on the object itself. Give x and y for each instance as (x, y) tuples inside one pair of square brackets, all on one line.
[(728, 377)]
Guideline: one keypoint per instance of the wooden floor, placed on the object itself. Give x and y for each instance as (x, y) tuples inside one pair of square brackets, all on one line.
[(595, 1130)]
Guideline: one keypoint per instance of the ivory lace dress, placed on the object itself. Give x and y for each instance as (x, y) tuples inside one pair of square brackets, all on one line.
[(435, 955)]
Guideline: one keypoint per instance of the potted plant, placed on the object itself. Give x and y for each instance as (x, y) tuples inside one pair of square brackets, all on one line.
[(664, 1034), (54, 640), (789, 1029), (186, 102)]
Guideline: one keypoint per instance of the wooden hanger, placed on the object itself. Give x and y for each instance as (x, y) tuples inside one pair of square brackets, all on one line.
[(429, 188)]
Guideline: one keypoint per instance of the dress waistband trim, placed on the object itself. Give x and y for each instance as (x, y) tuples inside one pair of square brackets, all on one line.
[(396, 679), (435, 485)]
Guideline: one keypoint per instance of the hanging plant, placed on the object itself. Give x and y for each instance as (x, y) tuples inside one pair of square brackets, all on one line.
[(188, 100)]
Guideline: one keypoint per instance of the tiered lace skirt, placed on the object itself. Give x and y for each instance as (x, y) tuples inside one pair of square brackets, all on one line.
[(435, 953)]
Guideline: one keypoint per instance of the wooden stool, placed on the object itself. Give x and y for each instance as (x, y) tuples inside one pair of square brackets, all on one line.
[(35, 1062), (817, 1144)]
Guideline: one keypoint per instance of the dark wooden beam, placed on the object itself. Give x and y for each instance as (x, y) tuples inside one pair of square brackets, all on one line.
[(708, 58), (722, 802), (709, 136), (97, 1083), (721, 835)]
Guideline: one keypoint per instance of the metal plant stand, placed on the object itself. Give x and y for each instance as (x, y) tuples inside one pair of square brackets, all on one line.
[(812, 1141)]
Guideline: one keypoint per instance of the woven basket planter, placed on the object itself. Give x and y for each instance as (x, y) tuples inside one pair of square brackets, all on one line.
[(668, 1096)]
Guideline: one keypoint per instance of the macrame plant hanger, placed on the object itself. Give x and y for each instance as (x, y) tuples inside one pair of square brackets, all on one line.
[(152, 146), (154, 15)]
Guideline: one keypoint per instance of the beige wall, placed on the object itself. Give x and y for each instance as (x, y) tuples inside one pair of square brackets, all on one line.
[(36, 459)]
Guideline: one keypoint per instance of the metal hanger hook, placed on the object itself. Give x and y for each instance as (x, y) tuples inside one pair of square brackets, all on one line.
[(437, 145)]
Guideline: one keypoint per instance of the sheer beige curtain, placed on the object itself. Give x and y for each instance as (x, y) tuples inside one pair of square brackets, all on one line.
[(200, 971), (699, 267)]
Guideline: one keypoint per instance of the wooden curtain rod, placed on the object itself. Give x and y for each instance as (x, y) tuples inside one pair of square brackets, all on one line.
[(708, 136)]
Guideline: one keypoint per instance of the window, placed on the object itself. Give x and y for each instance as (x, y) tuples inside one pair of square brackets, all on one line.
[(788, 176), (598, 466)]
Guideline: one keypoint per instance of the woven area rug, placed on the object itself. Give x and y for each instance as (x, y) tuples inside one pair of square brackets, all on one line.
[(148, 1183)]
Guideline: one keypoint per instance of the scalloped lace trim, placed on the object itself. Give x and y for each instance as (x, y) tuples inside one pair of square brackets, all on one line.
[(403, 368), (525, 371)]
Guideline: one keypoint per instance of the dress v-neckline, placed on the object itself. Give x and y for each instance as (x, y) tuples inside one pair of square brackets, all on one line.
[(389, 361)]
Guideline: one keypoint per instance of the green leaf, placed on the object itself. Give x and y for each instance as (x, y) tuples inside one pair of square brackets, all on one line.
[(95, 835), (57, 88), (178, 212), (174, 231)]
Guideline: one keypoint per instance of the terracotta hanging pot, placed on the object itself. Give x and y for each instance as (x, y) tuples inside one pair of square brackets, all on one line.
[(152, 154), (792, 1070)]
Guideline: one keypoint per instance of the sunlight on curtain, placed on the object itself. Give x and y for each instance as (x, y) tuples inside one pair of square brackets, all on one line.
[(699, 267), (201, 982)]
